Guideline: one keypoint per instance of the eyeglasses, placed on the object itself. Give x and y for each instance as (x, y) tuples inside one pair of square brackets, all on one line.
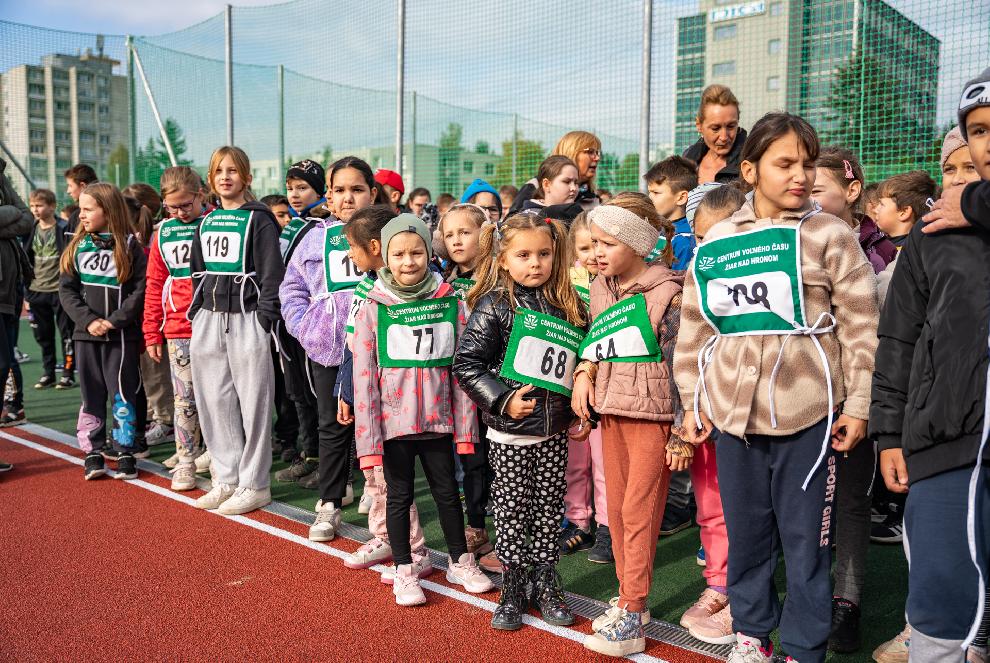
[(592, 153), (491, 210), (176, 209)]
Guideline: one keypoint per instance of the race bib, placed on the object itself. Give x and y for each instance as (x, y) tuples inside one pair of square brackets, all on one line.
[(418, 334), (223, 238), (751, 283), (622, 332), (542, 351), (96, 265), (339, 270), (658, 250), (358, 300), (289, 235), (462, 287), (175, 240)]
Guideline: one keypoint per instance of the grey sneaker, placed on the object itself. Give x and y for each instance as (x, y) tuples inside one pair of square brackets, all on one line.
[(327, 522), (300, 468), (748, 650), (621, 637), (159, 433)]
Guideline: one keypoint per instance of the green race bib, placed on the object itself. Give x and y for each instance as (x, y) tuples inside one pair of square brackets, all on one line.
[(96, 265), (583, 293), (461, 288), (750, 283), (418, 334), (358, 300), (542, 351), (622, 332), (175, 240), (340, 273), (657, 250), (223, 236), (289, 235)]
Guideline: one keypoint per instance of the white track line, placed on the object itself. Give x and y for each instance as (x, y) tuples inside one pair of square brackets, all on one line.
[(449, 592)]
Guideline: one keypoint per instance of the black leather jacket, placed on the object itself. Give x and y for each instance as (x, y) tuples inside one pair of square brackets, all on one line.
[(480, 353)]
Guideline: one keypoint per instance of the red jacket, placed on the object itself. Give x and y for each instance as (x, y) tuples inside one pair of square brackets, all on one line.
[(172, 310)]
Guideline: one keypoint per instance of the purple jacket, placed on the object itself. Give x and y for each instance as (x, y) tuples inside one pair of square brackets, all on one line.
[(394, 402), (879, 250), (318, 324)]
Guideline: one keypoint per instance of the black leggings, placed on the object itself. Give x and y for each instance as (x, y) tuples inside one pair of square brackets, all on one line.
[(478, 476), (437, 457), (335, 440)]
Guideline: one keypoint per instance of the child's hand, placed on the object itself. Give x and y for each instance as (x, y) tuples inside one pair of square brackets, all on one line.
[(894, 470), (583, 396), (519, 407), (580, 431), (679, 453), (692, 433), (847, 432), (155, 352), (344, 416)]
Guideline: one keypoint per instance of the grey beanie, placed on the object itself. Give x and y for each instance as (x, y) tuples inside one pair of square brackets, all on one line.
[(975, 94), (407, 223)]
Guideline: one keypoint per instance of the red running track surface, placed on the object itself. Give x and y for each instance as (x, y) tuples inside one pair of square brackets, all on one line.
[(104, 570)]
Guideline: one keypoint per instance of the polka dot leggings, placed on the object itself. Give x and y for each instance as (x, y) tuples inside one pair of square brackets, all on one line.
[(528, 499)]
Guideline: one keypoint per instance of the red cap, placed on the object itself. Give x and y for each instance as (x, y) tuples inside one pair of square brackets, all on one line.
[(391, 178)]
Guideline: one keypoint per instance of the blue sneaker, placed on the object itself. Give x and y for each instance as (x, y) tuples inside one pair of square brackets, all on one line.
[(700, 557)]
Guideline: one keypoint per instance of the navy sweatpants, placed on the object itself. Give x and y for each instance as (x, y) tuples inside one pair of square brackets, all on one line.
[(765, 512), (943, 583)]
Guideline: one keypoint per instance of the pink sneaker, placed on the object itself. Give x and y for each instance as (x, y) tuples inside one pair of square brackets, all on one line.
[(373, 552), (406, 587), (421, 566), (715, 630), (707, 605)]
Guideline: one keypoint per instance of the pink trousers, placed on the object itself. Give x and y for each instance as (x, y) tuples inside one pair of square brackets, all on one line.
[(714, 538), (584, 469), (374, 485)]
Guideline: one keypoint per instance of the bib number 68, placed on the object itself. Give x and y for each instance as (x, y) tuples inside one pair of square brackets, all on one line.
[(548, 365)]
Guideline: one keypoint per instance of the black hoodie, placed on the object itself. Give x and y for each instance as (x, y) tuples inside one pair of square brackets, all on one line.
[(222, 292)]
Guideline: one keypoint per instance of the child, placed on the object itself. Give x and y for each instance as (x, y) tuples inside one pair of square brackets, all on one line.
[(392, 185), (236, 270), (444, 201), (812, 312), (306, 188), (417, 200), (838, 187), (316, 296), (901, 202), (77, 178), (484, 195), (523, 283), (279, 205), (718, 203), (669, 183), (930, 411), (585, 467), (507, 193), (169, 292), (630, 385), (102, 290), (556, 190), (44, 248), (411, 407)]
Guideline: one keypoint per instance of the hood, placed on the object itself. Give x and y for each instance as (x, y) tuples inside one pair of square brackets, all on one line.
[(381, 294), (255, 206), (654, 275), (479, 186)]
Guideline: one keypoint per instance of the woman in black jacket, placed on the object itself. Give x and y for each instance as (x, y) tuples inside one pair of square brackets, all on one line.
[(718, 151)]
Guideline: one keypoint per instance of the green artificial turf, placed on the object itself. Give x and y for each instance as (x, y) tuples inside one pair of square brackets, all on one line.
[(677, 580)]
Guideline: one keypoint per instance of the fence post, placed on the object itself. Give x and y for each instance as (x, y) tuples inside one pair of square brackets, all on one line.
[(154, 108), (400, 84), (229, 69), (644, 101), (281, 123), (412, 152), (515, 143), (132, 113)]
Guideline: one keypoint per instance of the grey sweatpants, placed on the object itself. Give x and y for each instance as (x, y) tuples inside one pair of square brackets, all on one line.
[(234, 381)]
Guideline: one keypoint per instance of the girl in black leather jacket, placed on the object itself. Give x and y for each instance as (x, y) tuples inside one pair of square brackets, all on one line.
[(515, 360)]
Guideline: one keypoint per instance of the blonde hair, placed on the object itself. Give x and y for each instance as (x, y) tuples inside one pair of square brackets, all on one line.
[(118, 218), (580, 222), (574, 143), (716, 95), (181, 178), (490, 274), (641, 205), (241, 163)]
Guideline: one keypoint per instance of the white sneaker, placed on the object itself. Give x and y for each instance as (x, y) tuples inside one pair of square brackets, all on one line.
[(406, 587), (327, 522), (373, 552), (421, 565), (245, 500), (612, 614), (203, 462), (220, 493), (466, 573), (184, 476), (348, 496), (364, 506), (748, 650), (171, 461)]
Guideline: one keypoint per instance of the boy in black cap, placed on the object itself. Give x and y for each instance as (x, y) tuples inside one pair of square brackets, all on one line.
[(931, 406), (306, 188)]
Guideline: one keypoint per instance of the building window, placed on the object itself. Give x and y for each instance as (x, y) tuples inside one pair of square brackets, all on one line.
[(724, 68), (105, 140), (489, 169), (36, 75), (773, 83), (60, 74), (34, 88), (104, 110), (36, 106), (468, 167), (725, 32), (37, 134), (84, 107), (774, 46), (776, 8), (37, 148), (61, 106), (64, 136)]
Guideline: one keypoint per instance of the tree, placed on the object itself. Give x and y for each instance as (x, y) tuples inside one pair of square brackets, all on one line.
[(151, 162), (449, 158), (117, 166), (529, 154), (605, 178), (627, 174), (481, 147)]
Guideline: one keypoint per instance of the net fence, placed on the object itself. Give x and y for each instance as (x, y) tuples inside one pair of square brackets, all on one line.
[(489, 88)]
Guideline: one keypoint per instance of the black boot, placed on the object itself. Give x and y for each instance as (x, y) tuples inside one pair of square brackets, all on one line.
[(548, 596), (845, 635), (512, 601)]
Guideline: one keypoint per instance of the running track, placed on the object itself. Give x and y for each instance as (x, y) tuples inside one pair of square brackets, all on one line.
[(112, 570)]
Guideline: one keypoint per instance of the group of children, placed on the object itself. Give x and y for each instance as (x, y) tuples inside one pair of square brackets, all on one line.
[(566, 357)]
